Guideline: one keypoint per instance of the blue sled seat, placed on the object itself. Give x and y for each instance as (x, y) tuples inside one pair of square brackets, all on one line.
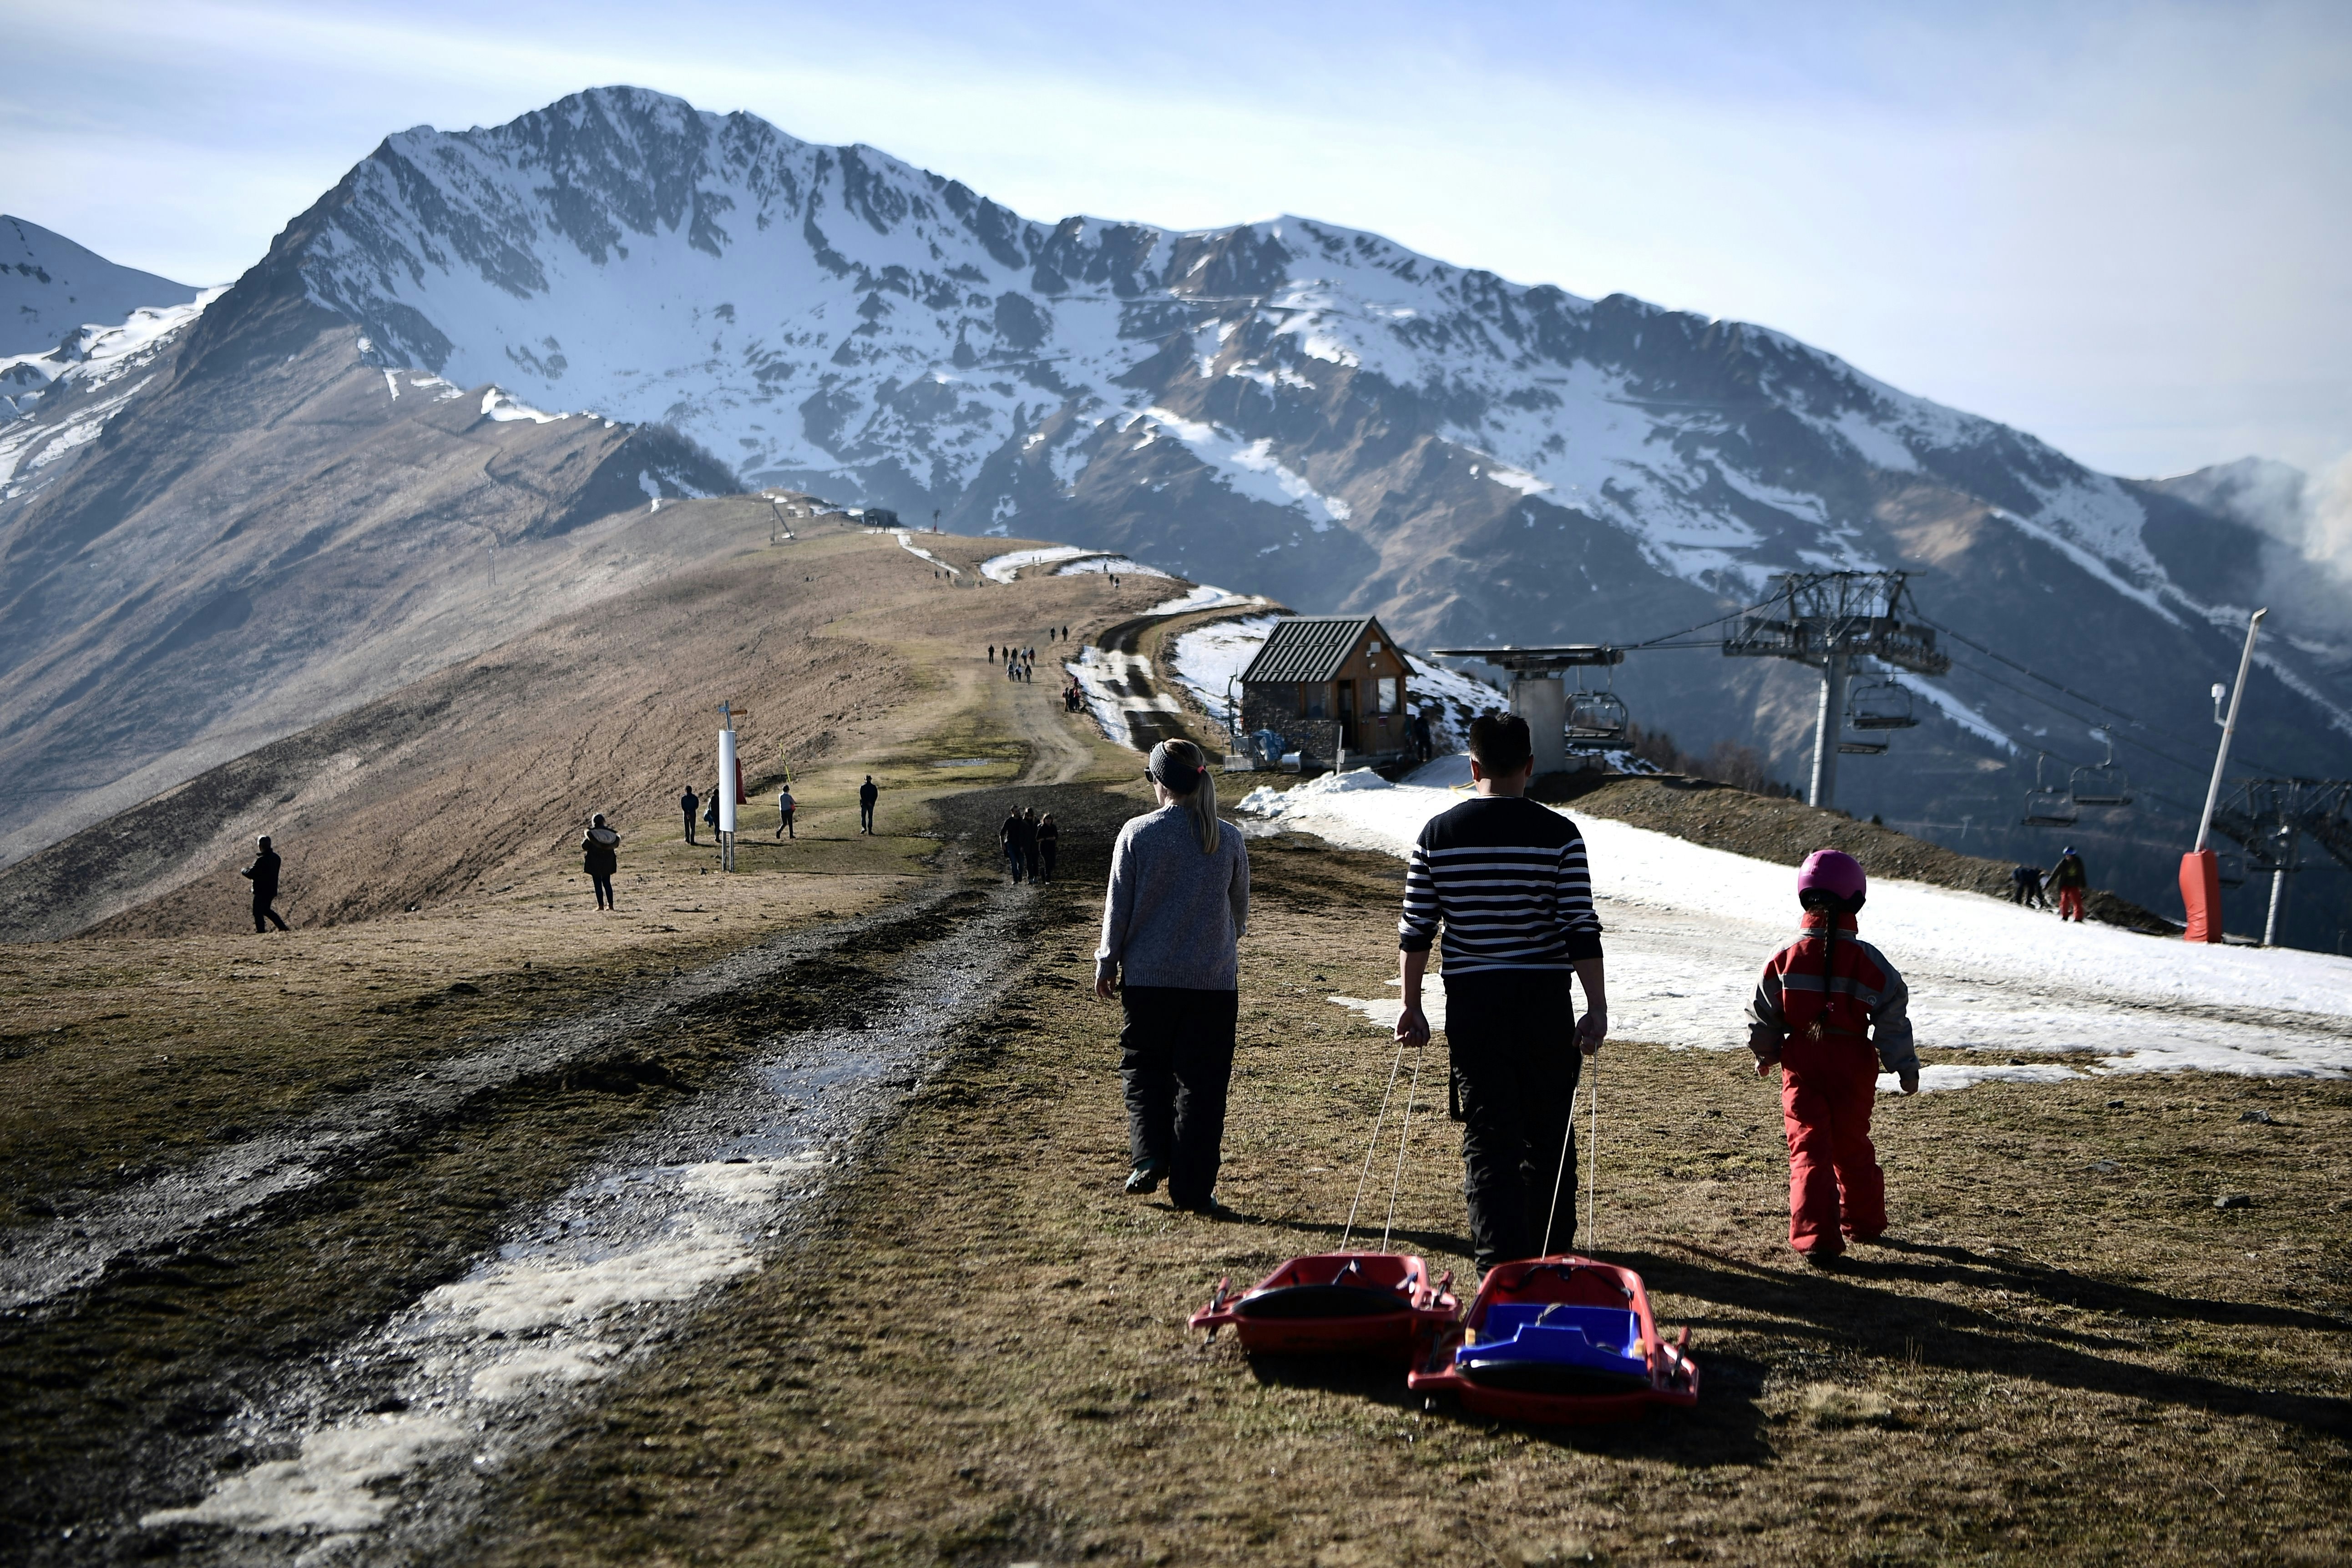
[(1556, 1348)]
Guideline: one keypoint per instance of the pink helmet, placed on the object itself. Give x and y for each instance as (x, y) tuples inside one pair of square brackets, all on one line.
[(1835, 873)]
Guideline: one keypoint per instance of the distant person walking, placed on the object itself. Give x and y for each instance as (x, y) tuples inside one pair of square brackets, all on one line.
[(2025, 888), (1424, 746), (710, 811), (1506, 880), (600, 857), (867, 794), (1049, 842), (1008, 840), (784, 808), (2073, 882), (1029, 850), (1173, 916), (689, 803), (263, 875)]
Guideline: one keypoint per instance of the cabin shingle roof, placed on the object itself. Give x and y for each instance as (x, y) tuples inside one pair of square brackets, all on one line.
[(1308, 647)]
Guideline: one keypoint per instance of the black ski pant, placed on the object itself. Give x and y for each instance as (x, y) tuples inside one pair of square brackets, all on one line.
[(262, 912), (1175, 1058), (689, 827), (603, 880), (1510, 1040), (1046, 857), (864, 817)]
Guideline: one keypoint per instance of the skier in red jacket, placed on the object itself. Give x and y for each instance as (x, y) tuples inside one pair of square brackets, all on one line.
[(1825, 1001)]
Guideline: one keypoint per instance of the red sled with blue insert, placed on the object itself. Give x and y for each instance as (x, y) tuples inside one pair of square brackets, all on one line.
[(1560, 1340), (1336, 1303)]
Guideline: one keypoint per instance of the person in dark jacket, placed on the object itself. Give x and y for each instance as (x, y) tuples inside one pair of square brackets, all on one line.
[(600, 857), (1176, 908), (1505, 879), (1010, 838), (710, 811), (1029, 851), (1049, 841), (689, 803), (263, 875), (867, 794)]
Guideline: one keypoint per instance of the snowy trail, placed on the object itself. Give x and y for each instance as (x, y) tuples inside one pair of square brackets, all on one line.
[(472, 1376), (1688, 927)]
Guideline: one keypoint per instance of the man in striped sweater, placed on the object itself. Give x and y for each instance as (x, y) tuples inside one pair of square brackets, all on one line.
[(1505, 879)]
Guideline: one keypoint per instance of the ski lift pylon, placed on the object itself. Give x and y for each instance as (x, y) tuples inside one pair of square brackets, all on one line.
[(2046, 805), (1880, 705), (2102, 783)]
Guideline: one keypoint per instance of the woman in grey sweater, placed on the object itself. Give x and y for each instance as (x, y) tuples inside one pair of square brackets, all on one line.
[(1178, 904)]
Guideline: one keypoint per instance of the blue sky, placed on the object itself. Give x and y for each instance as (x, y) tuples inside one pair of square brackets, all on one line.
[(2126, 227)]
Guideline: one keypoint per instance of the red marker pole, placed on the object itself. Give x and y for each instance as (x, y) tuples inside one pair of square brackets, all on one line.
[(2201, 874)]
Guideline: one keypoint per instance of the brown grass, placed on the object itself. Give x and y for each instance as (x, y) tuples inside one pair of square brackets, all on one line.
[(987, 1363)]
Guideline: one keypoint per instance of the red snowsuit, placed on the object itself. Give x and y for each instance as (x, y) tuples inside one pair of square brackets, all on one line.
[(1822, 1037)]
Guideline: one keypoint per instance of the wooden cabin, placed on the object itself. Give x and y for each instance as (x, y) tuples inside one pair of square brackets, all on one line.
[(1328, 681)]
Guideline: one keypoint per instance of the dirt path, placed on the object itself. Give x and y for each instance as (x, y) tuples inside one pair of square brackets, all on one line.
[(1060, 751)]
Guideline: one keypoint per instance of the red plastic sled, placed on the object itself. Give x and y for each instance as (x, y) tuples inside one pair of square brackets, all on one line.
[(1560, 1340), (1336, 1303)]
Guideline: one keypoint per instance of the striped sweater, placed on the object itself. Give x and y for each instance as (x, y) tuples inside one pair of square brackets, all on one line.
[(1505, 878)]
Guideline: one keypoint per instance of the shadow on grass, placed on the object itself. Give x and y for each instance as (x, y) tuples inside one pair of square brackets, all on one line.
[(1725, 1428), (1848, 1307)]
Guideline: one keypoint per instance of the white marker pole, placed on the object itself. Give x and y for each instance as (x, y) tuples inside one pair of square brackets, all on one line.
[(727, 791)]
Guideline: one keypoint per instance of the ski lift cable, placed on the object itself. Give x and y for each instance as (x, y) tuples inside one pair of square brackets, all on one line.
[(2033, 674), (2195, 770)]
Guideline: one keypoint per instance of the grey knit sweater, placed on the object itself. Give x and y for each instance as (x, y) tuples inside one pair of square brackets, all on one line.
[(1173, 915)]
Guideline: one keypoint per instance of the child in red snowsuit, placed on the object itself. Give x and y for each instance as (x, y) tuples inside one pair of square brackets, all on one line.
[(1825, 1001)]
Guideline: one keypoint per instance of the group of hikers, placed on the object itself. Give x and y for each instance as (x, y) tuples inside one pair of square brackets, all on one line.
[(2068, 876), (1498, 885), (1029, 843), (787, 810), (1021, 663)]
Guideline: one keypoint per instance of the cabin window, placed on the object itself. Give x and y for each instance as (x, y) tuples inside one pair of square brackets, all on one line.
[(1311, 697), (1391, 693), (1372, 648)]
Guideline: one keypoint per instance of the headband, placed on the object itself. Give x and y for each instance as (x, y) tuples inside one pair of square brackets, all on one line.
[(1181, 777)]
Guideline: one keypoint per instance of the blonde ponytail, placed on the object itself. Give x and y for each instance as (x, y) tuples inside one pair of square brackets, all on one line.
[(1202, 802)]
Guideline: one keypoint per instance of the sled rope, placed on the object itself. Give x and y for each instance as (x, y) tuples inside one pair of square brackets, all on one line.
[(1591, 1157), (1372, 1153), (1396, 1183)]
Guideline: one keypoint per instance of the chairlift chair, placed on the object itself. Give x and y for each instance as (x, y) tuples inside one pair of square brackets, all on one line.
[(2101, 783), (1880, 705), (1597, 716), (2046, 805)]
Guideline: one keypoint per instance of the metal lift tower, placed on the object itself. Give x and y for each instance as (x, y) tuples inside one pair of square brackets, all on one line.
[(1827, 620)]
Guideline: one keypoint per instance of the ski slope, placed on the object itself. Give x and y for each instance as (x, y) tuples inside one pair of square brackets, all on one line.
[(1689, 928)]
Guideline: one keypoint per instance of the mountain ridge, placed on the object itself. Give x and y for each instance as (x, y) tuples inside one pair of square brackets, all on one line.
[(1297, 408)]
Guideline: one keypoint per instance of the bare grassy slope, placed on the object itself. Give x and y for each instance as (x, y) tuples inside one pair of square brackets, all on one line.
[(271, 531), (471, 776)]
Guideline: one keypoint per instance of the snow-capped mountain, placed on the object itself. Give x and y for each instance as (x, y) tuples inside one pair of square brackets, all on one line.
[(50, 288), (1314, 412)]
